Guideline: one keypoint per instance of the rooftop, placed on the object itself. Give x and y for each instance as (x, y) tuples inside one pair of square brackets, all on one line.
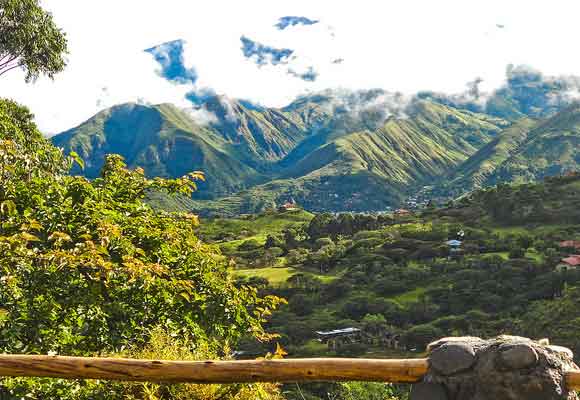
[(572, 260), (570, 243), (335, 332)]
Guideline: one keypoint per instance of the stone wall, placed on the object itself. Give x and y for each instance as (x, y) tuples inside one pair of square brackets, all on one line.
[(503, 368)]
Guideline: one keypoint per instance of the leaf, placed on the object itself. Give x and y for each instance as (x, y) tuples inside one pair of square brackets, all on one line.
[(28, 237), (8, 207), (76, 158), (280, 352)]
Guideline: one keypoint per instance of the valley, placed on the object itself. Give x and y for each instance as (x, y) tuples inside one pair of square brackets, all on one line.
[(401, 282)]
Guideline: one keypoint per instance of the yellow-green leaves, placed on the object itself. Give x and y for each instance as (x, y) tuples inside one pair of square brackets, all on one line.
[(77, 159), (8, 208)]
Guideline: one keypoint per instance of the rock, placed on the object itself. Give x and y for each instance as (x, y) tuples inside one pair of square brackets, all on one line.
[(428, 391), (502, 368), (512, 339), (452, 357), (517, 355), (438, 343), (562, 350)]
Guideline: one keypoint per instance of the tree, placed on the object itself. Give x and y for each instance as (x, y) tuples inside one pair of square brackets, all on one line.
[(517, 252), (301, 305), (420, 336), (29, 39), (89, 268), (273, 241)]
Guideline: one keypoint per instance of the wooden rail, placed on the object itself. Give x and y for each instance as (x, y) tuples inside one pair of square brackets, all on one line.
[(287, 370)]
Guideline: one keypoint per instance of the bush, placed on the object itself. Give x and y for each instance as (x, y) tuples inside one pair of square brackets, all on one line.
[(249, 245)]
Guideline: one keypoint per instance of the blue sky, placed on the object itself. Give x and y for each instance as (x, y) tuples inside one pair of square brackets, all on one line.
[(405, 46)]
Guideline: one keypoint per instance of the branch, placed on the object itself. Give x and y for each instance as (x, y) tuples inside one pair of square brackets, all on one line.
[(2, 65), (9, 69)]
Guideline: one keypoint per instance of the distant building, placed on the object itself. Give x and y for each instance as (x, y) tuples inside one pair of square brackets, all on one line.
[(455, 250), (289, 206), (403, 212), (573, 244), (568, 263), (339, 337)]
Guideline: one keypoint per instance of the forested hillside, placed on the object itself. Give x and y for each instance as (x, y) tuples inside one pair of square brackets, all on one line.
[(402, 283)]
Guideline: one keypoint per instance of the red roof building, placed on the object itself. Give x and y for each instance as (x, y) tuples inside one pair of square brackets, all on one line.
[(402, 211), (572, 260), (289, 206), (575, 244), (568, 263)]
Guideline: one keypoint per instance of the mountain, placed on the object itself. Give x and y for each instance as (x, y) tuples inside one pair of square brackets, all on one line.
[(162, 139), (259, 135), (370, 169), (478, 170), (340, 150), (528, 93), (527, 151)]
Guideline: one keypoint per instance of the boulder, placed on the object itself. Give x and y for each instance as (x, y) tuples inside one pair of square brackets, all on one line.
[(517, 355), (502, 368), (452, 357)]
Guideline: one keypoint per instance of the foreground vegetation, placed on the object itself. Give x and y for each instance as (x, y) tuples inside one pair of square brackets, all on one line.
[(88, 268)]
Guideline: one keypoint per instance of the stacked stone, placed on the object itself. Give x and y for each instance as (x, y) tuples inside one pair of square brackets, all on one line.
[(503, 368)]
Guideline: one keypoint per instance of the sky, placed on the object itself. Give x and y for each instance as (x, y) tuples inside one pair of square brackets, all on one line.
[(270, 52)]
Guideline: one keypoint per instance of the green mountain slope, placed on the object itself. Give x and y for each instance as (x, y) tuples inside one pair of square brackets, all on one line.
[(478, 170), (259, 136), (525, 152), (338, 150), (370, 170), (163, 140), (237, 147)]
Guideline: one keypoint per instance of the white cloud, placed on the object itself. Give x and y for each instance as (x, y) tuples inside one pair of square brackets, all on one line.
[(396, 45)]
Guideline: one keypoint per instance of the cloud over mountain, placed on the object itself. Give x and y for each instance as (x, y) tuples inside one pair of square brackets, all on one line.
[(169, 55)]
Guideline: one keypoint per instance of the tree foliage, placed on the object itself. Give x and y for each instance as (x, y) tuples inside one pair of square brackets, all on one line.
[(29, 39), (88, 268)]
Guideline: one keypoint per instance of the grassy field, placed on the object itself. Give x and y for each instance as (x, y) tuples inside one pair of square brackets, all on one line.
[(229, 233), (279, 275), (253, 225), (410, 296), (274, 275)]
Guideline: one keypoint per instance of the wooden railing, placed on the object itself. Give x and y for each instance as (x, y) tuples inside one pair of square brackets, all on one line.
[(286, 370)]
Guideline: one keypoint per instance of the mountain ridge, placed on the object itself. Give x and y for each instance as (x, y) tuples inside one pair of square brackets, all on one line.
[(365, 150)]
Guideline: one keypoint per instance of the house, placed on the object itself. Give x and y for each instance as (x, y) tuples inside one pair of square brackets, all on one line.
[(339, 337), (288, 206), (455, 250), (571, 244), (568, 263), (401, 212)]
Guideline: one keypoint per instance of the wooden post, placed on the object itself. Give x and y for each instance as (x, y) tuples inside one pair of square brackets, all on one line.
[(287, 370), (573, 379)]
